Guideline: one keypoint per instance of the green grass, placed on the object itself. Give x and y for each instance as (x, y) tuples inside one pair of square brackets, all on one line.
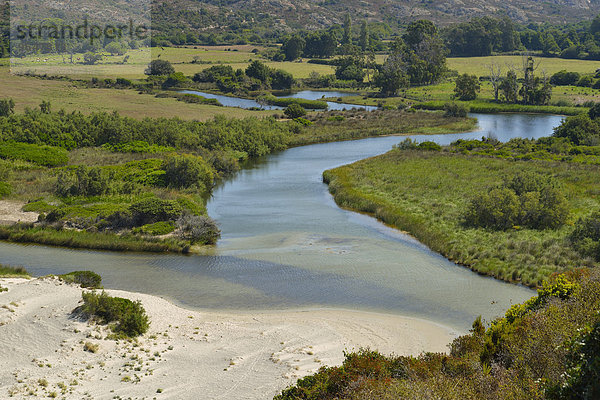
[(426, 194), (90, 240), (481, 106), (86, 279), (13, 272), (478, 65)]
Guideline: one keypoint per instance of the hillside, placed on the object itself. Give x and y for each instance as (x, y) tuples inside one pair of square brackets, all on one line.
[(309, 14)]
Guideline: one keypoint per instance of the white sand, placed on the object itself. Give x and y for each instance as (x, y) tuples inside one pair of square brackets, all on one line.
[(11, 212), (186, 354)]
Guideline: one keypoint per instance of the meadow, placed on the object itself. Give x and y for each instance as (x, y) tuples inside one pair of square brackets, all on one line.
[(427, 193)]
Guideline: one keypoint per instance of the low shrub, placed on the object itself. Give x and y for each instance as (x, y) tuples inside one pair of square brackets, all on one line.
[(456, 110), (91, 347), (46, 156), (198, 229), (153, 209), (87, 279), (129, 317), (188, 171), (156, 229)]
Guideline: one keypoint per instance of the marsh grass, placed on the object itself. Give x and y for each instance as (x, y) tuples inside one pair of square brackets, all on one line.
[(426, 194), (90, 240), (13, 272)]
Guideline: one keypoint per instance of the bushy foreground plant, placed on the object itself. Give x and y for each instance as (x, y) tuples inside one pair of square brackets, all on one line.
[(129, 317), (546, 348)]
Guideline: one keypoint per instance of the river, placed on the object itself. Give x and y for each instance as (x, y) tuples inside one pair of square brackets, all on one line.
[(286, 245)]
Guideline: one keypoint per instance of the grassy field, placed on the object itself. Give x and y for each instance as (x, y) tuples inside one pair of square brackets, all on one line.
[(29, 92), (426, 194), (479, 65)]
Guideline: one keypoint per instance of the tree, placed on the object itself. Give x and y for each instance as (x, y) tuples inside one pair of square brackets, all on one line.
[(259, 70), (281, 80), (45, 107), (293, 48), (350, 69), (510, 87), (159, 68), (115, 48), (495, 78), (363, 41), (392, 75), (534, 90), (347, 38), (90, 58), (7, 107), (294, 111), (467, 87)]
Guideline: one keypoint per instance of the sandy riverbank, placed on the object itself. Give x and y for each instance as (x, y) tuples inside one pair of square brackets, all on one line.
[(186, 354)]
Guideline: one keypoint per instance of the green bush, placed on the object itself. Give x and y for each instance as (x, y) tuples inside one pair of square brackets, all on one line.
[(156, 229), (456, 110), (130, 317), (137, 146), (198, 229), (153, 209), (294, 110), (46, 156), (87, 279), (586, 236), (83, 181), (5, 189), (430, 146), (528, 200), (188, 171)]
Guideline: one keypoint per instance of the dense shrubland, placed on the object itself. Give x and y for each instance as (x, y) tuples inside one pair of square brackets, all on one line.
[(546, 348)]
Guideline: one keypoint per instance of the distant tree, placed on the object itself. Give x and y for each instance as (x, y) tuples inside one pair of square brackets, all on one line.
[(7, 107), (115, 48), (281, 80), (535, 90), (350, 68), (159, 68), (392, 75), (510, 87), (320, 44), (467, 87), (293, 48), (258, 70), (294, 110), (495, 72), (594, 112), (45, 107), (363, 41), (175, 79), (347, 38), (90, 58)]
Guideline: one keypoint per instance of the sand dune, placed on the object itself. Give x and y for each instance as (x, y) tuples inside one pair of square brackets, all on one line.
[(186, 354)]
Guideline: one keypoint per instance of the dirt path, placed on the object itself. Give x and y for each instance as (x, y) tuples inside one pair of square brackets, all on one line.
[(11, 213)]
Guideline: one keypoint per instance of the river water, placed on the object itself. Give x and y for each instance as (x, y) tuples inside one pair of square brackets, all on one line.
[(286, 245)]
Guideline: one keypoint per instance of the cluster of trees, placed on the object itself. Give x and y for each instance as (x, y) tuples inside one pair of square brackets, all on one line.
[(483, 36), (566, 78), (252, 136), (582, 129), (533, 90), (527, 200), (256, 76), (417, 58)]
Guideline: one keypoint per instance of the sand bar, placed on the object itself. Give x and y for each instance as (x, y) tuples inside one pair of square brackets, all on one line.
[(186, 354)]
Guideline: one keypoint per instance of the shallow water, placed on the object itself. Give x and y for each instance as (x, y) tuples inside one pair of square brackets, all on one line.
[(285, 244)]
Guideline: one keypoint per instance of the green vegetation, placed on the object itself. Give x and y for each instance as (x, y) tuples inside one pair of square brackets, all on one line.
[(86, 279), (546, 348), (13, 272), (415, 190), (127, 318)]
